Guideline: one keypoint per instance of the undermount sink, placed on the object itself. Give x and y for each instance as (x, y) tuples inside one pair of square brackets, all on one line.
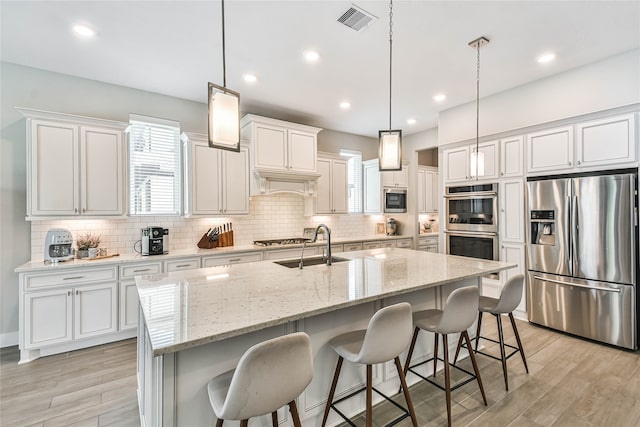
[(306, 262)]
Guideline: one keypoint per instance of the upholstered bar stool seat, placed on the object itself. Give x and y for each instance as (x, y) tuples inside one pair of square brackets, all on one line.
[(386, 336), (509, 299), (458, 314), (269, 376)]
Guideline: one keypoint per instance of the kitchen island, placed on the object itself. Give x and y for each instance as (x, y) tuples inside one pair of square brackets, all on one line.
[(196, 324)]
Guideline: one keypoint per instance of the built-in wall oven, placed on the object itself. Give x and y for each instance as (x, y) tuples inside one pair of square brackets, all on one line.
[(472, 221)]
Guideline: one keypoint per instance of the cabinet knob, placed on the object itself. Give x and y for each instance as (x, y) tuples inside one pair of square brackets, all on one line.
[(502, 173), (579, 162), (77, 292), (69, 293), (569, 163), (75, 210), (502, 210), (84, 210)]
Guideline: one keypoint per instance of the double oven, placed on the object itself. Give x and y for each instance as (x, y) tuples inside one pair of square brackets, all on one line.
[(472, 221)]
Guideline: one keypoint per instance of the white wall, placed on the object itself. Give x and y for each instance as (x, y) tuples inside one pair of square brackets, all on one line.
[(613, 82)]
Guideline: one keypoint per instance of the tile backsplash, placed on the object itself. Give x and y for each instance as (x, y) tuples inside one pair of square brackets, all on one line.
[(270, 217)]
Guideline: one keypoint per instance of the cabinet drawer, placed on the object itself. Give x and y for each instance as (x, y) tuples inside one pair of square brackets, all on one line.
[(427, 240), (350, 247), (69, 277), (290, 253), (390, 244), (370, 245), (404, 243), (231, 259), (139, 269), (182, 264)]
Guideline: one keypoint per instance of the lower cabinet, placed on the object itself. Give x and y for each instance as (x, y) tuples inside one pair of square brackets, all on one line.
[(217, 260), (128, 305), (428, 243), (95, 310)]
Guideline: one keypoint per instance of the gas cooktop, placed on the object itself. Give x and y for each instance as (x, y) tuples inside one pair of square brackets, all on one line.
[(293, 241)]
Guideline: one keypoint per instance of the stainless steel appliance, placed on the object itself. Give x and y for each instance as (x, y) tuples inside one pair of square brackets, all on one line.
[(155, 241), (472, 207), (473, 244), (582, 256), (391, 227), (395, 200), (58, 245)]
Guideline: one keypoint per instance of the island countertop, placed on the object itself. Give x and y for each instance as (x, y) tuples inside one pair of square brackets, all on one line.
[(195, 307)]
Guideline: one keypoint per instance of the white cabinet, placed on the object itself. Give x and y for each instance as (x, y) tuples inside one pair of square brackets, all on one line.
[(490, 151), (514, 253), (128, 305), (48, 318), (550, 150), (218, 260), (292, 253), (404, 243), (371, 245), (331, 197), (75, 166), (216, 181), (95, 310), (511, 157), (428, 243), (372, 188), (350, 247), (512, 215), (456, 162), (605, 142), (181, 264), (395, 178), (428, 194)]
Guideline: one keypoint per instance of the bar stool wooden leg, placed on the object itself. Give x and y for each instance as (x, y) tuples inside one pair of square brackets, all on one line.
[(502, 352), (410, 353), (369, 412), (520, 349), (336, 375), (478, 330), (472, 355), (219, 422), (435, 355), (244, 423), (294, 414), (274, 419), (458, 347), (407, 396), (447, 377)]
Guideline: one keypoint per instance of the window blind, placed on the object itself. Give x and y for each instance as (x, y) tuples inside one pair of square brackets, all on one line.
[(354, 179), (154, 166)]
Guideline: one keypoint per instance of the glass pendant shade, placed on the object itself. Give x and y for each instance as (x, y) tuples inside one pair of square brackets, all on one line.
[(390, 150), (224, 118), (477, 164)]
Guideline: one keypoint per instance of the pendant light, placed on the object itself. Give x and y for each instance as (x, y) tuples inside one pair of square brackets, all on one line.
[(477, 158), (224, 109), (390, 141)]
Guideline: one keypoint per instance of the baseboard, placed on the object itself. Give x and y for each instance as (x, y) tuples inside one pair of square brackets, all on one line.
[(8, 339)]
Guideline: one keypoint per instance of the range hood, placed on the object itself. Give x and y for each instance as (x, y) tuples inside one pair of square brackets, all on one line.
[(272, 181)]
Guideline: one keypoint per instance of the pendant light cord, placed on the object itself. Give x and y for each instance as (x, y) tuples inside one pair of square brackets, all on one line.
[(478, 111), (390, 54), (224, 62)]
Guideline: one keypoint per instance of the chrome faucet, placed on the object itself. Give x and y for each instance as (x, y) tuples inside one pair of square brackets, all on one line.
[(315, 236)]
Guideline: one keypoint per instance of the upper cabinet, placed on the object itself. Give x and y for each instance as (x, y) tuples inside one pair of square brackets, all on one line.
[(458, 167), (511, 157), (395, 178), (372, 189), (456, 164), (216, 181), (331, 197), (284, 155), (550, 149), (428, 194), (75, 166), (607, 141)]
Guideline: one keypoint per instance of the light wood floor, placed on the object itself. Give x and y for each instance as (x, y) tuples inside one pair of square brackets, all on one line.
[(572, 382)]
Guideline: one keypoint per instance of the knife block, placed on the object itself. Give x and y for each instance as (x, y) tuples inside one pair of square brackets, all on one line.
[(225, 239), (205, 243)]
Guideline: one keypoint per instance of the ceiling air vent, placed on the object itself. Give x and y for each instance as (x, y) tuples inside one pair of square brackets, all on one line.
[(356, 18)]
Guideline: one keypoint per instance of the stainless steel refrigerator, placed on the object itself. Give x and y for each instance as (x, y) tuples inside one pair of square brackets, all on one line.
[(582, 260)]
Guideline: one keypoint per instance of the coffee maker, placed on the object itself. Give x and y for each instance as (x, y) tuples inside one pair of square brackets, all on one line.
[(391, 227), (155, 241), (58, 245)]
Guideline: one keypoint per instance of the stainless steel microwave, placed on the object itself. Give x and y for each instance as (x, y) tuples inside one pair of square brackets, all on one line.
[(395, 200), (472, 207)]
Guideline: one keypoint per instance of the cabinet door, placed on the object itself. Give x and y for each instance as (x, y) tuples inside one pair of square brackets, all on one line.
[(339, 197), (490, 151), (422, 191), (456, 164), (607, 141), (215, 261), (236, 181), (48, 318), (128, 305), (204, 180), (54, 183), (431, 191), (512, 211), (511, 157), (550, 150), (96, 309), (372, 189), (302, 151), (323, 194), (370, 245), (270, 147), (514, 254), (102, 171), (401, 178)]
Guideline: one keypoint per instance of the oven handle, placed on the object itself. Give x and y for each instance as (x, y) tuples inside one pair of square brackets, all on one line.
[(471, 233), (597, 288), (466, 196)]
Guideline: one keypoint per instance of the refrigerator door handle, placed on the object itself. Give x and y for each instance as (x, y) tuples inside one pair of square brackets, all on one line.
[(569, 226), (597, 288), (574, 235)]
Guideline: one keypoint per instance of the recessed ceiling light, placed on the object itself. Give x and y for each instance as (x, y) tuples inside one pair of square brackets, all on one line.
[(345, 105), (250, 78), (411, 121), (311, 56), (439, 97), (547, 57), (84, 30)]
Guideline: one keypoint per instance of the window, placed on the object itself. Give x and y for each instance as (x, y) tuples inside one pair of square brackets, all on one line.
[(154, 166), (354, 179)]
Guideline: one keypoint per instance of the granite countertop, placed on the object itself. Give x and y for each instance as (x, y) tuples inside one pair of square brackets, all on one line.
[(35, 265), (195, 307)]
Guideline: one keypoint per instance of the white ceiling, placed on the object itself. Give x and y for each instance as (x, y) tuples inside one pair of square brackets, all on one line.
[(174, 48)]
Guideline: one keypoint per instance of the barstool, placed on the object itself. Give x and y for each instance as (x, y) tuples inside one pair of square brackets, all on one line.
[(386, 336), (458, 314), (269, 375), (509, 299)]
